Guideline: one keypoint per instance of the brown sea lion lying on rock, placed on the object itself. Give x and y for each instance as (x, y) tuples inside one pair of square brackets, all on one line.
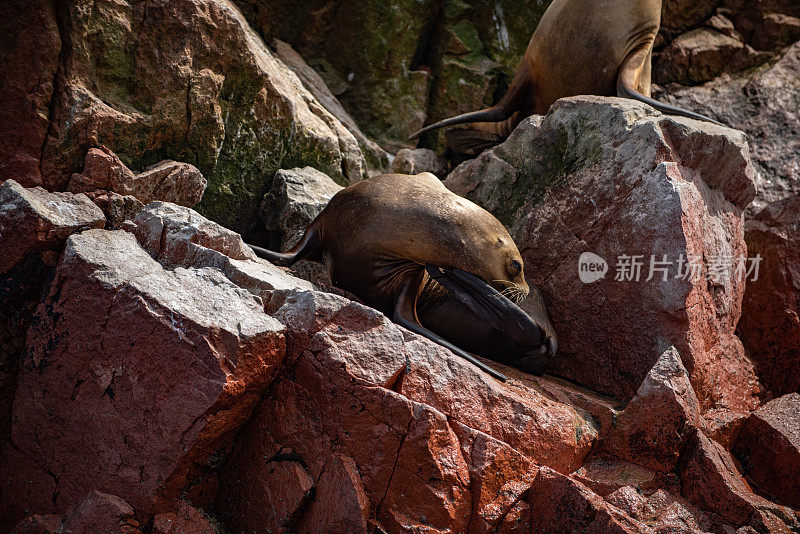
[(436, 263)]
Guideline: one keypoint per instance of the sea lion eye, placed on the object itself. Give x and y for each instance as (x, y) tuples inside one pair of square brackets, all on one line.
[(515, 268)]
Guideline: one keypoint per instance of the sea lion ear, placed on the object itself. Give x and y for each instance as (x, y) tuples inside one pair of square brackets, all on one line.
[(488, 304)]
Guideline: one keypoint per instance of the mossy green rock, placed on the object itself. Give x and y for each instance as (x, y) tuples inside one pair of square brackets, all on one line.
[(188, 80)]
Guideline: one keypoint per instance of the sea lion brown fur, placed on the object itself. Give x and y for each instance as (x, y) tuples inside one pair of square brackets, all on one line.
[(436, 263), (580, 47)]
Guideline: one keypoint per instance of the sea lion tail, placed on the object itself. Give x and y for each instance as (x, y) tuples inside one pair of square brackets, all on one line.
[(307, 246), (626, 92), (515, 97)]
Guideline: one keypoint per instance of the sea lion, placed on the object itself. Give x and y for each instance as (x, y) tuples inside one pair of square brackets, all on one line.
[(434, 262), (580, 47)]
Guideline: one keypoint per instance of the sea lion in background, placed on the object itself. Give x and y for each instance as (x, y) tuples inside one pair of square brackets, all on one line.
[(580, 47), (436, 263)]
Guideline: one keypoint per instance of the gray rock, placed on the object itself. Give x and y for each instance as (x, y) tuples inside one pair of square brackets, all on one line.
[(418, 160), (296, 197)]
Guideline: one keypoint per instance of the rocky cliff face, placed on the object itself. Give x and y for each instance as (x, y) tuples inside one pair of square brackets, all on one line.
[(155, 376)]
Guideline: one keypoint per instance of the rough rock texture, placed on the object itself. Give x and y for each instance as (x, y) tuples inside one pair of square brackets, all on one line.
[(185, 519), (190, 81), (770, 327), (35, 219), (710, 479), (614, 178), (763, 103), (656, 422), (561, 504), (768, 448), (97, 512), (169, 181), (26, 88), (296, 197), (408, 161), (377, 158), (33, 227), (353, 378), (177, 236), (90, 358)]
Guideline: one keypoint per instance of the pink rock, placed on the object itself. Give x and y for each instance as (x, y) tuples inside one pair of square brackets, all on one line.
[(167, 181), (768, 448), (770, 326), (615, 178), (100, 512), (710, 480), (130, 381), (657, 421), (29, 55), (35, 219)]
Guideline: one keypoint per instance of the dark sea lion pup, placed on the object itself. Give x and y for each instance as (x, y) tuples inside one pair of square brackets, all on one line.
[(580, 47), (436, 263)]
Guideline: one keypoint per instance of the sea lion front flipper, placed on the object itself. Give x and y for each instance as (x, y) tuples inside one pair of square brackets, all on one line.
[(405, 316), (487, 303), (628, 80), (306, 247)]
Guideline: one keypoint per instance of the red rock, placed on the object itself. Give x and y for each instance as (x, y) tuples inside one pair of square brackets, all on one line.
[(35, 219), (359, 391), (668, 513), (768, 448), (615, 178), (184, 520), (697, 56), (129, 380), (605, 474), (723, 426), (561, 504), (100, 512), (499, 478), (710, 480), (30, 43), (167, 181), (656, 422), (770, 327)]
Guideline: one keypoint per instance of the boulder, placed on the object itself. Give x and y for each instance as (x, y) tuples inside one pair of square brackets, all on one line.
[(377, 158), (130, 384), (34, 224), (35, 219), (189, 81), (710, 480), (295, 199), (427, 436), (653, 205), (656, 422), (763, 104), (697, 56), (97, 512), (770, 327), (416, 161), (606, 474), (562, 504), (768, 448), (30, 42), (177, 236)]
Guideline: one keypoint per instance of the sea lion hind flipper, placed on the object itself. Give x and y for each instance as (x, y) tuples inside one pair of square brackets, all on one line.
[(305, 248), (487, 303), (626, 88), (405, 316)]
